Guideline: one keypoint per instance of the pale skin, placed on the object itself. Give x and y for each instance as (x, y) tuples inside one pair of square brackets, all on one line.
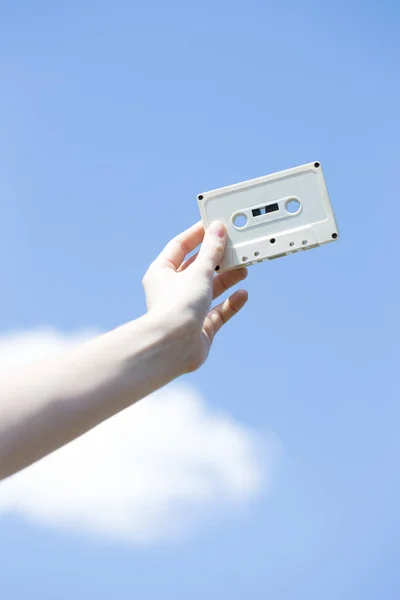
[(47, 404)]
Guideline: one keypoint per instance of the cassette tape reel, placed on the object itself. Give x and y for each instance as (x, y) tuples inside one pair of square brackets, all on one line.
[(271, 216)]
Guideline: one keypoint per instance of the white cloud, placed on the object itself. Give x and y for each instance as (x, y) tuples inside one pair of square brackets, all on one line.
[(153, 472)]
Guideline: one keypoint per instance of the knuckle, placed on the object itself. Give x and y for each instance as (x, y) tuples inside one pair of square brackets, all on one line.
[(218, 248), (214, 247), (147, 276), (224, 284), (178, 242), (232, 307)]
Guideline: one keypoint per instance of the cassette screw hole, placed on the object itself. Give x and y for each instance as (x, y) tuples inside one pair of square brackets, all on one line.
[(217, 268), (293, 206), (334, 236), (256, 253), (304, 242), (272, 241), (291, 244), (317, 164), (244, 258), (240, 220), (200, 197)]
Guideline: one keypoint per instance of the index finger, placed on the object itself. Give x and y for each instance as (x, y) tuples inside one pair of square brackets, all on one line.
[(180, 246)]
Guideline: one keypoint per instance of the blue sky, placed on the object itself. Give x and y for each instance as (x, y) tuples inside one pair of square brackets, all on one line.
[(113, 116)]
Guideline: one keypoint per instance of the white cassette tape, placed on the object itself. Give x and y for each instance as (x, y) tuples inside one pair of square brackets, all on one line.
[(272, 216)]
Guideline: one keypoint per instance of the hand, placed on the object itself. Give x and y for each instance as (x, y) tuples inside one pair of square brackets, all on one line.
[(182, 291)]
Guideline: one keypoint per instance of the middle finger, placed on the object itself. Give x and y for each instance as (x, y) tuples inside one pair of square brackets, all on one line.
[(223, 281)]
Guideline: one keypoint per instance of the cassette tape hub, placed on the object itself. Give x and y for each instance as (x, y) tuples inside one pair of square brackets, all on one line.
[(272, 216)]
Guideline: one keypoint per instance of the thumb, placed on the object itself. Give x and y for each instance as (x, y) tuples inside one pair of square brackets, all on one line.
[(213, 247)]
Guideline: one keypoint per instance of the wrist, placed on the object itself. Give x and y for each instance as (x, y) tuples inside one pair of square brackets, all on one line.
[(173, 334)]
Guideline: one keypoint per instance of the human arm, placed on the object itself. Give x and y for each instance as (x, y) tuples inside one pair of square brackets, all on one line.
[(47, 404)]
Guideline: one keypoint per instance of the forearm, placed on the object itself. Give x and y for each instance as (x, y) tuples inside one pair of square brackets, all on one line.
[(46, 405)]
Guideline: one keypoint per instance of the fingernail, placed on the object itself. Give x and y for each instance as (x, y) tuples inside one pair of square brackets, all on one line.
[(217, 228)]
